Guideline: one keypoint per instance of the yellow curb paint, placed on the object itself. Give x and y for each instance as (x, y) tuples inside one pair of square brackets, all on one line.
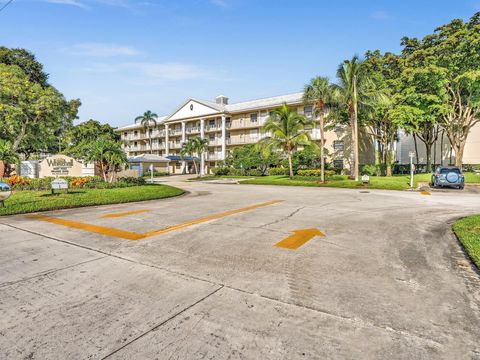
[(136, 236), (209, 218), (91, 228), (117, 215), (425, 193), (299, 238)]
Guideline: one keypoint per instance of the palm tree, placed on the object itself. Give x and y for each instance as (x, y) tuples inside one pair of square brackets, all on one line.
[(194, 146), (319, 92), (147, 119), (287, 130), (353, 81)]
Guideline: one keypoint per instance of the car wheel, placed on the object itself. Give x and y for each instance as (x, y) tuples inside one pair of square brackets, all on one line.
[(461, 187)]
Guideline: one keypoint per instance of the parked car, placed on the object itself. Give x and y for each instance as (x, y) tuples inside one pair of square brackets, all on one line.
[(448, 176)]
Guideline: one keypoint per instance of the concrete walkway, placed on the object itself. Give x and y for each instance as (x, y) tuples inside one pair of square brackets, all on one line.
[(204, 279)]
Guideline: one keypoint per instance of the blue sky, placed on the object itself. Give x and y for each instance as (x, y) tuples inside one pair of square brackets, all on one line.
[(122, 57)]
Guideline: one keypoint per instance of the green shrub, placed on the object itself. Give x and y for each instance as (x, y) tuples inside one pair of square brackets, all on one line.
[(236, 172), (309, 172), (156, 174), (330, 173), (368, 169), (221, 171), (254, 172), (130, 180), (278, 171)]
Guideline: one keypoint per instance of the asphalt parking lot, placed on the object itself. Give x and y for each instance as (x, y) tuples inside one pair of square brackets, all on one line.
[(242, 272)]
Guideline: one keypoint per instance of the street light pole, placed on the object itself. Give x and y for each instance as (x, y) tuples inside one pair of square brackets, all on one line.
[(411, 155)]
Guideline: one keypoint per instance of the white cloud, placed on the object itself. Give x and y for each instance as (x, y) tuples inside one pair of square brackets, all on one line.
[(380, 15), (155, 71), (76, 3), (102, 50), (221, 3)]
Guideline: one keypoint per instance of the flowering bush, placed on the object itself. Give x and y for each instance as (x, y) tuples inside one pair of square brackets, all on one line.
[(17, 180), (80, 182)]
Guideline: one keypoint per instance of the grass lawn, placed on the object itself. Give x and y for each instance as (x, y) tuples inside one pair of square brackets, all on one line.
[(397, 182), (468, 231), (32, 201), (390, 183)]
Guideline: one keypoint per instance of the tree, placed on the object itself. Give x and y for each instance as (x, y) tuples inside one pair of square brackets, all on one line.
[(287, 129), (453, 52), (108, 155), (381, 116), (26, 61), (147, 120), (194, 146), (7, 158), (253, 156), (352, 93), (78, 138), (320, 93), (30, 114)]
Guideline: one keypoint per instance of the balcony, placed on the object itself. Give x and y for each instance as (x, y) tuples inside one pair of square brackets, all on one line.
[(215, 142), (213, 156), (174, 145), (215, 127), (192, 130)]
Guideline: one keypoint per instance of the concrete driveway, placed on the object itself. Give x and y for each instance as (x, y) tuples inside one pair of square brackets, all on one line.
[(201, 277)]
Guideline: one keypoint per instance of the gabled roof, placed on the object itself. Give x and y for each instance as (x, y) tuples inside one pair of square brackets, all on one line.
[(160, 120), (266, 102), (210, 104)]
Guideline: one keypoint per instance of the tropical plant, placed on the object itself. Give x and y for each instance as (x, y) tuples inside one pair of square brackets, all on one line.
[(287, 131), (320, 93), (450, 61), (352, 92), (109, 156), (7, 157), (193, 147), (149, 121)]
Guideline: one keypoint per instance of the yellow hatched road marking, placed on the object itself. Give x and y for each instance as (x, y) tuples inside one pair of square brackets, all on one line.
[(425, 193), (136, 236), (116, 215)]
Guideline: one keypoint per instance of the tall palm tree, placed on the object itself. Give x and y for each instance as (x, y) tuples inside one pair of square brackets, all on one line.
[(320, 93), (147, 120), (194, 146), (353, 83), (287, 130)]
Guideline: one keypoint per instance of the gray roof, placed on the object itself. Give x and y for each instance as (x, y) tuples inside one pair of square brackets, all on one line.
[(160, 120), (148, 158), (266, 102)]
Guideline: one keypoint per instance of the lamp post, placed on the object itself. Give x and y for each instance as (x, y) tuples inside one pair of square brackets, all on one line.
[(411, 155)]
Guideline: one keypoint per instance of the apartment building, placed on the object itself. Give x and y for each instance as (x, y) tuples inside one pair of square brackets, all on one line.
[(225, 126)]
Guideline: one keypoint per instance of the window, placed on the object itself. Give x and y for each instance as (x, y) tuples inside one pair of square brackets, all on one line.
[(338, 145), (308, 111), (211, 122), (125, 134), (135, 133), (254, 117), (211, 137), (338, 164)]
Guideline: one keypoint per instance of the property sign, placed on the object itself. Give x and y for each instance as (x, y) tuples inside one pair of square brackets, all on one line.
[(365, 179), (59, 184), (60, 165)]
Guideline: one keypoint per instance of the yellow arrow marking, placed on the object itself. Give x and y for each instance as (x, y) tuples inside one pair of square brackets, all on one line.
[(127, 235), (299, 238)]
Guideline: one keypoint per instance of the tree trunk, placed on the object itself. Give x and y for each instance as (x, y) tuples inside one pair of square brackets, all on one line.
[(428, 153), (2, 168), (290, 164), (353, 125), (322, 145), (459, 154), (19, 137), (195, 165), (441, 148), (416, 148)]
